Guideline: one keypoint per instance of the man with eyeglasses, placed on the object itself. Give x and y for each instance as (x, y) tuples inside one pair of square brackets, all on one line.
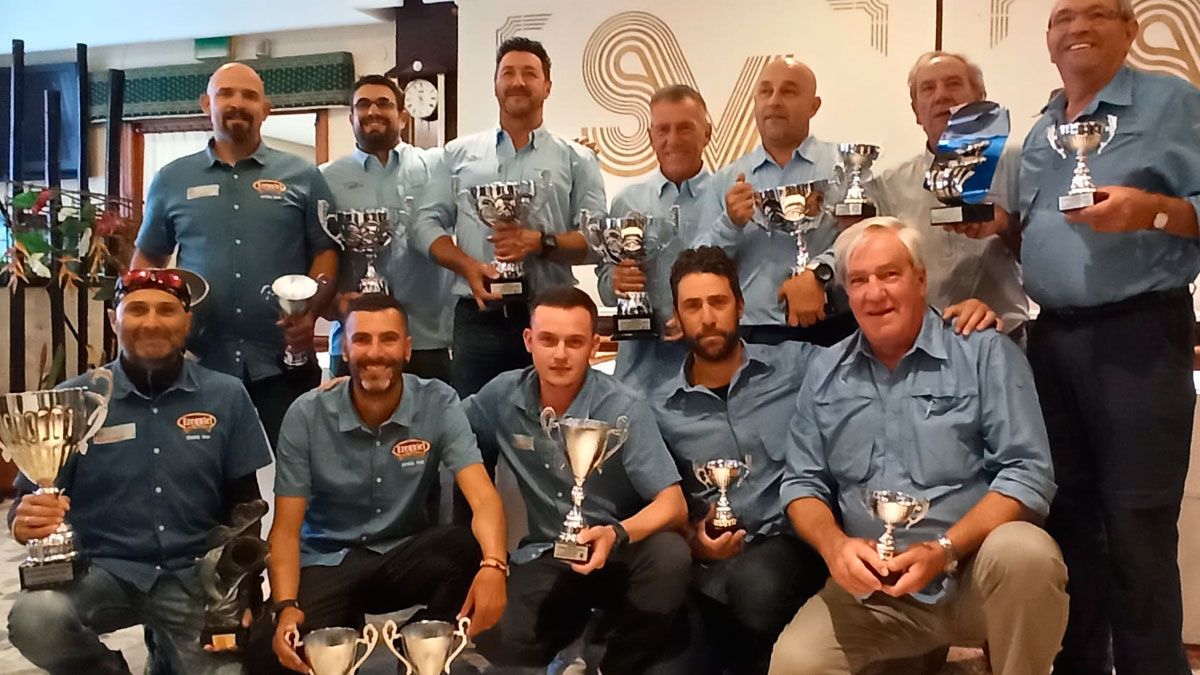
[(382, 173), (1112, 347)]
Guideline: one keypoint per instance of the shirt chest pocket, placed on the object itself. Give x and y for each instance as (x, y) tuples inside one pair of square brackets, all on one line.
[(944, 422), (849, 425)]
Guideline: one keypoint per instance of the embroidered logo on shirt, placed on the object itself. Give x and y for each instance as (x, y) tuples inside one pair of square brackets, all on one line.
[(269, 189), (196, 424), (412, 448)]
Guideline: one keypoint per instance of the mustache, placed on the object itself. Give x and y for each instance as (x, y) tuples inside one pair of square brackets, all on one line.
[(236, 114), (518, 91)]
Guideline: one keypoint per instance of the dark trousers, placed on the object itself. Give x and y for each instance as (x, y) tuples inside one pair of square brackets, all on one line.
[(1116, 389), (639, 592), (272, 396), (435, 568), (431, 364), (824, 333)]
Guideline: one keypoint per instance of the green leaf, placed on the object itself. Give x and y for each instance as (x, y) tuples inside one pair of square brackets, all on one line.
[(88, 213), (72, 227), (34, 241), (25, 200), (57, 372)]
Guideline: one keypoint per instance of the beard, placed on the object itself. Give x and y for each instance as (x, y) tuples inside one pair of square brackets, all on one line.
[(718, 352), (378, 380), (241, 132), (377, 139)]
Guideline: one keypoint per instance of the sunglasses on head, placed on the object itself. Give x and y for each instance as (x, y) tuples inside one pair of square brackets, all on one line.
[(165, 280)]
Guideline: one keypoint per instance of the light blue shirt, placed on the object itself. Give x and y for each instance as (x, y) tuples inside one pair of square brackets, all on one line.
[(359, 181), (240, 227), (368, 487), (642, 363), (765, 258), (575, 183), (959, 417), (505, 415), (698, 425), (1156, 148)]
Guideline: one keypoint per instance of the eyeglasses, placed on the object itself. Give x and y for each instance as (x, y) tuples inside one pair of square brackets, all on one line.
[(363, 105), (1091, 16)]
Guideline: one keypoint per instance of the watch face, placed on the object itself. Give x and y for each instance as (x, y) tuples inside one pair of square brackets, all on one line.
[(420, 98)]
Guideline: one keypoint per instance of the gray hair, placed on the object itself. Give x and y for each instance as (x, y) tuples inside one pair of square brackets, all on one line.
[(974, 72), (1124, 7), (854, 236)]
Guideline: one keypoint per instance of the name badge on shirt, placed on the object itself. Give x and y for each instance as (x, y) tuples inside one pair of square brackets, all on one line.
[(522, 442), (116, 434), (198, 191)]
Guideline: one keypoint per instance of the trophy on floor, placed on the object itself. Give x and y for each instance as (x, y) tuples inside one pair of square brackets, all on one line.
[(722, 474), (636, 237), (851, 173), (792, 209), (1081, 138), (426, 647), (365, 232), (502, 205), (292, 294), (894, 509), (334, 651), (235, 560), (586, 444), (965, 163), (39, 431)]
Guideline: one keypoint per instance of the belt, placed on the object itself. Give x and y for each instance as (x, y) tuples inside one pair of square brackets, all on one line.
[(1142, 301)]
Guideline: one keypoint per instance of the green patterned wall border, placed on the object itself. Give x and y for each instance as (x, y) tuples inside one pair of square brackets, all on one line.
[(312, 80)]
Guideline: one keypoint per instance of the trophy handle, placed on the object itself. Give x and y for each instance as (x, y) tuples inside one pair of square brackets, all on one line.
[(619, 432), (368, 640), (463, 624), (701, 474), (391, 632), (1112, 131), (96, 418), (745, 470), (549, 422), (919, 513), (323, 217), (268, 294), (1052, 138), (591, 230)]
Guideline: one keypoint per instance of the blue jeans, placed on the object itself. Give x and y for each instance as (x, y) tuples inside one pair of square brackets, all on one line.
[(59, 631)]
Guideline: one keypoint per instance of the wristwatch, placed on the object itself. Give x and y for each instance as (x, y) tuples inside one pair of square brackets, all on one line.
[(622, 536), (549, 243), (822, 271), (278, 607), (951, 556)]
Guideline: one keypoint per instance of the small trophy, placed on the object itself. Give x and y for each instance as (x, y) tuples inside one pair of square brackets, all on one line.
[(722, 474), (366, 233), (503, 205), (39, 431), (856, 161), (429, 645), (586, 445), (794, 209), (965, 163), (332, 651), (293, 294), (894, 509), (1080, 138), (634, 237), (237, 554)]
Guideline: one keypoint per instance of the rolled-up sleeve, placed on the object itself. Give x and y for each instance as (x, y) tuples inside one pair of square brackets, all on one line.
[(806, 473), (157, 234), (293, 461), (716, 229), (587, 185), (436, 208)]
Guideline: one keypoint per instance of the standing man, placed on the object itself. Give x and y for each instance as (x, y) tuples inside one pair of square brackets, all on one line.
[(1112, 346), (958, 267), (380, 174), (638, 570), (242, 215), (679, 132), (488, 331)]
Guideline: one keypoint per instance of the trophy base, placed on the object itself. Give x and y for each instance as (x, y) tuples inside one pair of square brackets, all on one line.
[(56, 574), (366, 286), (574, 553), (508, 289), (854, 209), (962, 213), (713, 530), (1080, 201), (223, 637), (634, 328)]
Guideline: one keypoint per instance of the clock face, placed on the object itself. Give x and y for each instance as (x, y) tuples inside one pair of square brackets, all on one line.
[(420, 98)]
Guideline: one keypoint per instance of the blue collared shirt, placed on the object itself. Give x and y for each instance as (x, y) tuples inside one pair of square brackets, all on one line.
[(575, 183), (1156, 148), (150, 487), (505, 415), (359, 181), (643, 363), (959, 417), (698, 425), (240, 227), (765, 258), (368, 487)]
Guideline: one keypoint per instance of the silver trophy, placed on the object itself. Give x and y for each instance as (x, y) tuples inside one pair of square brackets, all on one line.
[(502, 205), (722, 474), (635, 237), (947, 178), (365, 232), (857, 159), (334, 651), (1081, 138), (586, 444), (426, 647), (39, 431), (293, 294), (793, 209), (894, 509)]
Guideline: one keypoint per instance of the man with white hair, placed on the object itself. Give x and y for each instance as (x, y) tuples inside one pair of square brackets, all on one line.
[(904, 405)]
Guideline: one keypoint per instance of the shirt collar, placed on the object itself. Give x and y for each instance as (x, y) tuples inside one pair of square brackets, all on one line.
[(931, 340), (752, 362), (361, 157), (691, 187), (527, 395), (259, 156), (1118, 91), (805, 152), (124, 387), (348, 418), (535, 136)]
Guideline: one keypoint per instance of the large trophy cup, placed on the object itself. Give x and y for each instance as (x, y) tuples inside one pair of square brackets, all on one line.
[(894, 509), (293, 294), (39, 431), (586, 444), (722, 474), (792, 209), (426, 647), (857, 159), (503, 205), (965, 163), (334, 651), (1081, 138), (635, 237), (236, 559), (364, 232)]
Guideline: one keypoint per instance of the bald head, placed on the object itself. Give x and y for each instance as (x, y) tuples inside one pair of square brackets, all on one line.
[(236, 104), (785, 100)]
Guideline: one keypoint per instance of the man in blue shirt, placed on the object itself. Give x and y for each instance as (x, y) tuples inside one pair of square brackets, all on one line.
[(352, 534), (679, 132), (487, 329), (242, 214), (904, 405), (383, 172), (177, 452), (637, 572)]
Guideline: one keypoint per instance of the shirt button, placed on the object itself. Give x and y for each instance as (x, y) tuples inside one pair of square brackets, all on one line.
[(547, 466), (238, 310), (377, 444), (158, 491), (154, 410), (560, 494), (363, 538), (237, 275), (162, 528), (378, 479), (156, 451), (236, 207), (378, 510), (237, 353), (235, 176), (238, 242), (158, 567)]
